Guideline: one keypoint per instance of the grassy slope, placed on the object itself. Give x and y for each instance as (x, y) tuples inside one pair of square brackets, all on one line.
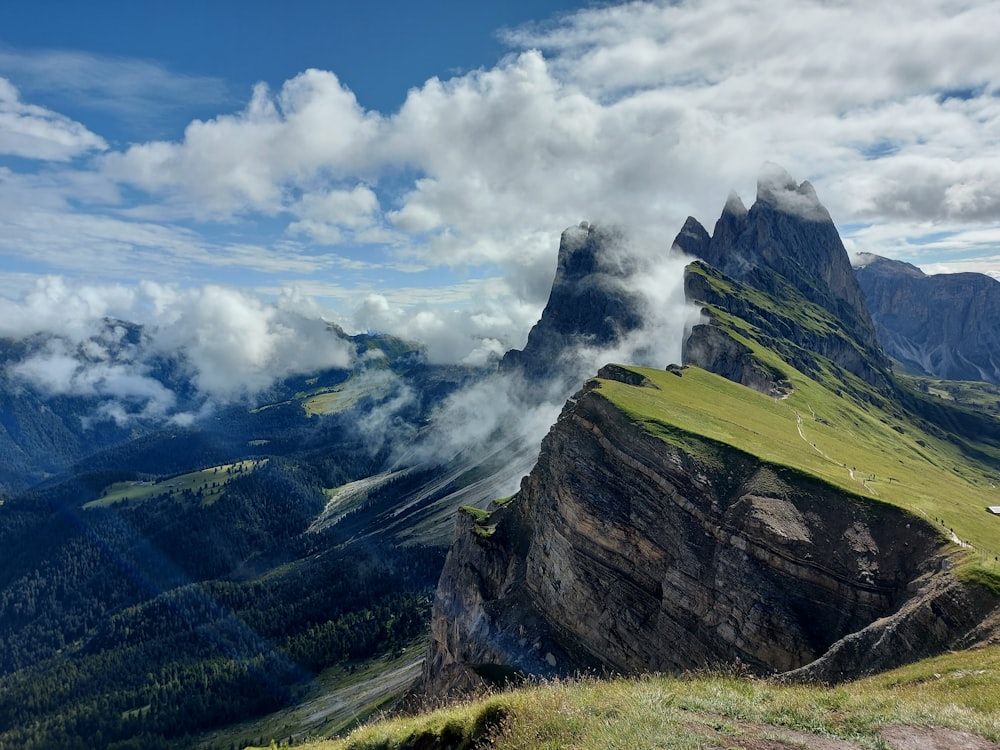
[(960, 691), (830, 437), (984, 397), (196, 481)]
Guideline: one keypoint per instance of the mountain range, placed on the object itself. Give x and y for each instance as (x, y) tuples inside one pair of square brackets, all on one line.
[(676, 520), (746, 471)]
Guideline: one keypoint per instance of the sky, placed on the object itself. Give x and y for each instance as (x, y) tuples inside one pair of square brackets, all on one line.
[(232, 172)]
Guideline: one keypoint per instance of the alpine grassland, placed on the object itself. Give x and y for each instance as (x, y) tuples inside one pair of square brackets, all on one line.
[(957, 692)]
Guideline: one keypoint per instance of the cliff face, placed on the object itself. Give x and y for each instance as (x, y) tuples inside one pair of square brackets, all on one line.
[(623, 552), (943, 325)]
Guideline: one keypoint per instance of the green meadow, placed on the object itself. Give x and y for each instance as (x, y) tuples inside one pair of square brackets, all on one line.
[(208, 483), (872, 453)]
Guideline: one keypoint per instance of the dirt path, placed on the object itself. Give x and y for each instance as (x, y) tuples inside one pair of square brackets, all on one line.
[(850, 469)]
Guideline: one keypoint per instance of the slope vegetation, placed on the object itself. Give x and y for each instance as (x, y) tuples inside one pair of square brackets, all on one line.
[(870, 452), (950, 701)]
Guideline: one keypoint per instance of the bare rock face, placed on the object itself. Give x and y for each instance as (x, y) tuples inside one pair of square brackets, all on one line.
[(624, 553), (943, 325), (708, 347)]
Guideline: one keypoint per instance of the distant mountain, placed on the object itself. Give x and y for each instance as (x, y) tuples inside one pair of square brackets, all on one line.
[(944, 325)]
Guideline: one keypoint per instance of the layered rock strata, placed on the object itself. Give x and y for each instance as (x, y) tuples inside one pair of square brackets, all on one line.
[(625, 553)]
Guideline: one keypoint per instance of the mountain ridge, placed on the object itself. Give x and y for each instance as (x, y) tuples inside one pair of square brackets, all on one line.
[(646, 512), (943, 325)]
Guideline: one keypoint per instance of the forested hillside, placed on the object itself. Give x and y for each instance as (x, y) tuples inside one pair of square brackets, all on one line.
[(176, 582)]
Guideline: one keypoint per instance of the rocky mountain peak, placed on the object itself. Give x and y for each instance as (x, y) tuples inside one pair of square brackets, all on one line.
[(777, 188), (786, 237), (878, 264), (734, 205), (693, 239), (589, 304)]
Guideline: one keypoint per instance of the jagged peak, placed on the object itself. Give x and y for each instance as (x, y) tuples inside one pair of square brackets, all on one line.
[(777, 188), (694, 227), (773, 178), (588, 248), (734, 205), (693, 239)]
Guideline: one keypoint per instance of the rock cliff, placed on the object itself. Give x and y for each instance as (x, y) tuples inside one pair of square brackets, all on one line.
[(623, 552), (943, 325)]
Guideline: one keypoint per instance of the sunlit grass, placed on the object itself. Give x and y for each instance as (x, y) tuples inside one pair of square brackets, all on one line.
[(958, 691), (210, 483), (867, 452)]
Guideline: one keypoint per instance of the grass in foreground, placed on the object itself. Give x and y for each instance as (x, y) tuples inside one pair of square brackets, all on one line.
[(959, 691)]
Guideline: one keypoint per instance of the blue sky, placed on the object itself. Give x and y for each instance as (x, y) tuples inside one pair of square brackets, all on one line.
[(409, 166)]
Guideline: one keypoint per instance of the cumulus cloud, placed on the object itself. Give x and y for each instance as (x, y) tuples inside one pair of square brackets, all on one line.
[(637, 114), (230, 344), (33, 132), (243, 162)]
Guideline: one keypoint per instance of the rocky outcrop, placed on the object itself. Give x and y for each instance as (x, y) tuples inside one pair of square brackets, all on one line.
[(590, 305), (943, 325), (710, 348), (787, 240), (623, 552)]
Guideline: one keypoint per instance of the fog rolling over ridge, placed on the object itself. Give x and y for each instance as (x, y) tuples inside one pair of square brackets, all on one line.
[(157, 355)]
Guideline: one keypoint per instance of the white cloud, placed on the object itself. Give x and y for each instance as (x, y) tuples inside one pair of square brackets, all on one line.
[(323, 216), (312, 127), (232, 345), (33, 132), (636, 114), (475, 326)]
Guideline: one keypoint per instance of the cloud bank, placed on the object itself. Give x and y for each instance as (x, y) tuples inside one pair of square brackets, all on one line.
[(122, 344), (440, 220)]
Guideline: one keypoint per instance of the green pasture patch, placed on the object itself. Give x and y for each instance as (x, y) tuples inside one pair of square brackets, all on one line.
[(207, 483), (344, 396)]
